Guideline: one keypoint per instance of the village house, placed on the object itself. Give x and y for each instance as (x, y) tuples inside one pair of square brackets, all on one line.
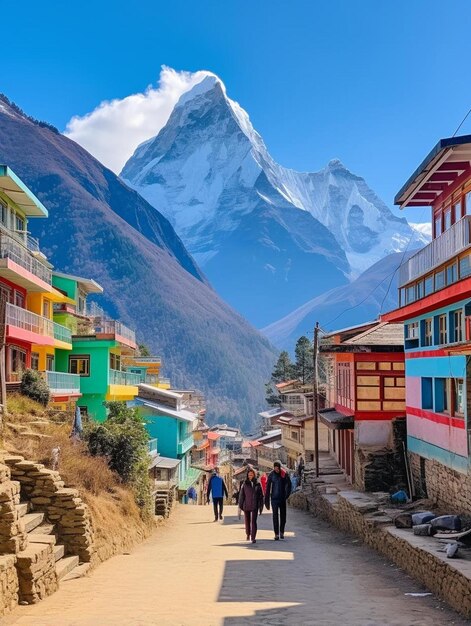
[(269, 418), (269, 450), (365, 410), (99, 346), (435, 307), (26, 287)]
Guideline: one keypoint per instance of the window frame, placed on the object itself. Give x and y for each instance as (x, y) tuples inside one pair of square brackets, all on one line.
[(80, 357)]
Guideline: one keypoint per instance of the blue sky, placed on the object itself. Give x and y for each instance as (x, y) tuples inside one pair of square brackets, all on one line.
[(375, 84)]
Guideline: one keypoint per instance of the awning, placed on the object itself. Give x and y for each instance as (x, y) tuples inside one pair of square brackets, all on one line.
[(191, 477), (336, 420), (163, 462)]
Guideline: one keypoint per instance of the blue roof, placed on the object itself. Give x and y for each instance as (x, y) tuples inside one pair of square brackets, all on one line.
[(16, 189)]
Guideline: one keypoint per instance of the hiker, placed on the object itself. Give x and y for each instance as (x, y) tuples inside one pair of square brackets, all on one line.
[(263, 482), (251, 502), (191, 495), (217, 489), (278, 490)]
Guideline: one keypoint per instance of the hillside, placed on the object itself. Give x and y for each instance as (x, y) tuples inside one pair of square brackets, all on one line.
[(99, 228)]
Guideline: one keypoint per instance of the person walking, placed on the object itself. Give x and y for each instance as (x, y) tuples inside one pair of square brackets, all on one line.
[(217, 489), (251, 503), (276, 495)]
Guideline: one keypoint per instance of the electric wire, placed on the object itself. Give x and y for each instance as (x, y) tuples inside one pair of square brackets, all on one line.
[(462, 122)]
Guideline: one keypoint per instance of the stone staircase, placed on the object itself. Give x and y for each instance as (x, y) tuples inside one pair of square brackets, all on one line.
[(40, 533), (164, 501)]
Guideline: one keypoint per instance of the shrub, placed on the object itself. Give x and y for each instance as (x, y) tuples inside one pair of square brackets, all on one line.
[(35, 387), (123, 440)]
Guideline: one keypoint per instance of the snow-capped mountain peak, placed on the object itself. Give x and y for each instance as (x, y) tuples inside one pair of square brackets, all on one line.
[(210, 173)]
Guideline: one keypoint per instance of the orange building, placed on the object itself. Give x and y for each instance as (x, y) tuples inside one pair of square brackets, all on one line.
[(365, 394)]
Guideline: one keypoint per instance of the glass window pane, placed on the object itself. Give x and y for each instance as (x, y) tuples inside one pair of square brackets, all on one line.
[(465, 265), (439, 280), (438, 226), (429, 285), (468, 203)]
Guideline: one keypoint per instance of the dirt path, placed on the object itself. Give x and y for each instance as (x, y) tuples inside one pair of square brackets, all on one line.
[(195, 572)]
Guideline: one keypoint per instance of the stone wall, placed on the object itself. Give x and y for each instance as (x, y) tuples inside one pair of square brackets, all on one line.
[(449, 488), (45, 489), (9, 586), (36, 572), (357, 513)]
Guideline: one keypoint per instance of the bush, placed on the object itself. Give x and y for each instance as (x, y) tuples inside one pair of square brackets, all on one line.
[(35, 387), (123, 440)]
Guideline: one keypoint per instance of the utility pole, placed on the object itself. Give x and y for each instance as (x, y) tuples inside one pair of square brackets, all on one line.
[(315, 391)]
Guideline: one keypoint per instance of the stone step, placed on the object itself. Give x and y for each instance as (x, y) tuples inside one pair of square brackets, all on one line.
[(22, 508), (40, 538), (59, 551), (32, 521), (43, 529), (77, 572), (66, 565)]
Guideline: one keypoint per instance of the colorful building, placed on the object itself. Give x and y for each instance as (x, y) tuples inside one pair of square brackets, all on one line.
[(435, 307), (148, 368), (99, 347), (168, 420), (365, 397), (31, 335)]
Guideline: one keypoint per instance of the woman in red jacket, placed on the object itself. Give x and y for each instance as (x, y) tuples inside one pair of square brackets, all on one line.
[(251, 502)]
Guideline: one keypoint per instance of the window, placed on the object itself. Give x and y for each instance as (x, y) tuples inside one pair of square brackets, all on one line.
[(412, 330), (50, 362), (19, 224), (17, 361), (294, 435), (442, 329), (465, 262), (3, 214), (447, 219), (451, 274), (458, 395), (46, 308), (438, 225), (428, 288), (439, 280), (427, 393), (19, 299), (81, 300), (441, 395), (457, 325), (34, 361), (410, 294), (79, 365), (420, 289), (115, 361), (428, 336), (456, 211), (467, 200)]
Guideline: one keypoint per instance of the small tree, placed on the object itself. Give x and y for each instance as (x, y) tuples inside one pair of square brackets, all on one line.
[(284, 369), (122, 438), (35, 387), (143, 350), (304, 365), (271, 396)]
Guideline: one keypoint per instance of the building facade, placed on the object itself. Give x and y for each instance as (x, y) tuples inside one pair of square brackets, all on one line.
[(434, 305)]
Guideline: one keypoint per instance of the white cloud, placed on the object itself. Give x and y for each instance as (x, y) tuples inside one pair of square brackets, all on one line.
[(113, 130), (424, 229)]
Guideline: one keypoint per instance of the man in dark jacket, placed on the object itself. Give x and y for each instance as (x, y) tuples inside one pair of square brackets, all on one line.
[(277, 492), (217, 488)]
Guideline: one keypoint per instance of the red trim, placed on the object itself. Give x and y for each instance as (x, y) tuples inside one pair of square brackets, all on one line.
[(383, 416), (453, 293), (426, 353), (450, 190), (345, 410), (439, 418)]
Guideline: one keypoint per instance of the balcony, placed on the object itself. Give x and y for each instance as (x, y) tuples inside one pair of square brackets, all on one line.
[(440, 250), (62, 333), (186, 444), (21, 318), (118, 377), (152, 445), (62, 383), (11, 249)]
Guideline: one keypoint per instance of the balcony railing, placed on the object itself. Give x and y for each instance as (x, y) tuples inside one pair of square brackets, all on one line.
[(21, 318), (63, 382), (185, 444), (152, 445), (447, 245), (10, 248), (118, 377), (112, 327), (62, 333)]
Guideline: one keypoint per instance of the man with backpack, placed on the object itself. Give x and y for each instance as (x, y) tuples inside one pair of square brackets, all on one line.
[(276, 494), (217, 489)]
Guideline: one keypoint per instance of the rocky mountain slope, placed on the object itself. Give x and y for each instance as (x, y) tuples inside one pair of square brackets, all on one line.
[(100, 228), (372, 293), (264, 235)]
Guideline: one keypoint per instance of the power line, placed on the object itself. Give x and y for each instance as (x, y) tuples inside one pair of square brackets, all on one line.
[(462, 122)]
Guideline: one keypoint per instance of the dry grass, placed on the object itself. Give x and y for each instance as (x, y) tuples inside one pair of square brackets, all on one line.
[(116, 517)]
